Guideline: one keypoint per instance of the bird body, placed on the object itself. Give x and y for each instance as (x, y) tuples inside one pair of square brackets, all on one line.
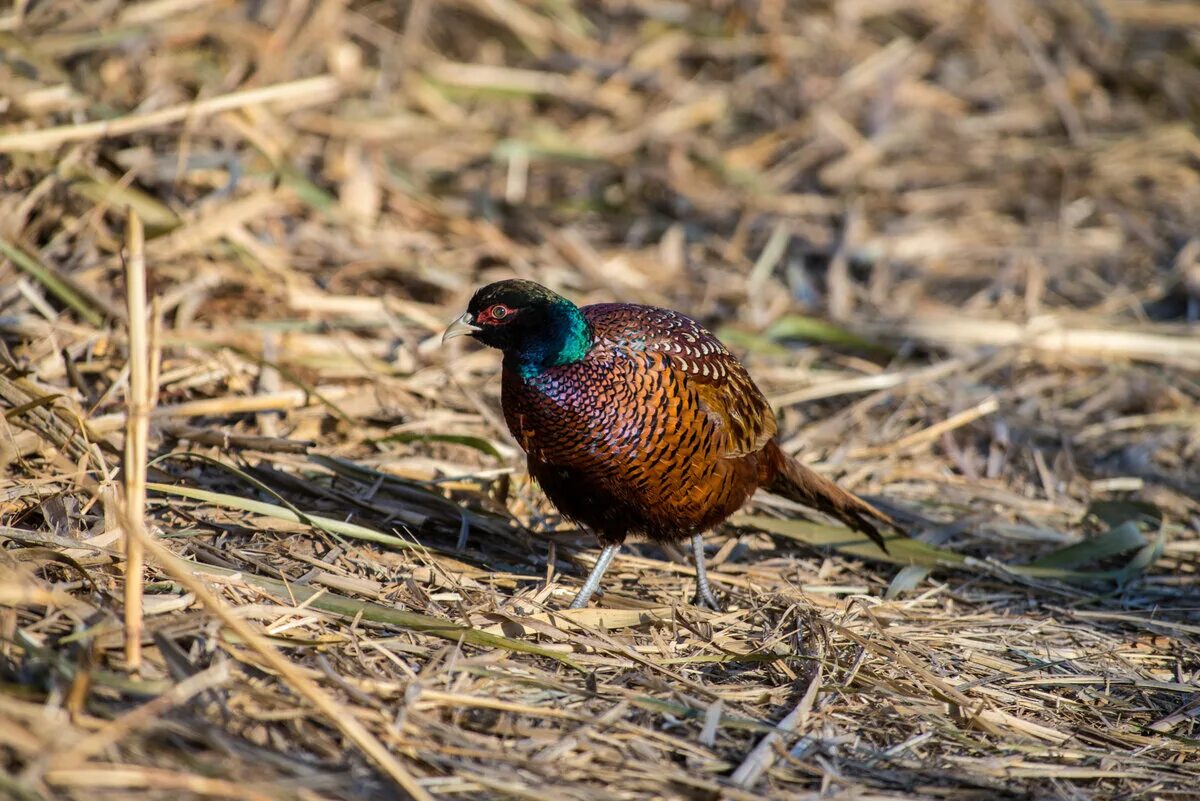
[(638, 421), (658, 423)]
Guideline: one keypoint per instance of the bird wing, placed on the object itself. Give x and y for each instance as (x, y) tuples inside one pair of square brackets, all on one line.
[(733, 397), (703, 363)]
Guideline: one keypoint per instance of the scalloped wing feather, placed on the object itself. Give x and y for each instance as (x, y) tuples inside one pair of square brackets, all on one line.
[(729, 395)]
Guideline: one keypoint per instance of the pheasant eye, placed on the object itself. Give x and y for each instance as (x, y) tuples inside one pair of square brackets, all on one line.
[(499, 312)]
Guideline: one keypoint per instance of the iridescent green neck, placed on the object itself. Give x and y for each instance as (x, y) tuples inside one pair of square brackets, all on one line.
[(565, 339)]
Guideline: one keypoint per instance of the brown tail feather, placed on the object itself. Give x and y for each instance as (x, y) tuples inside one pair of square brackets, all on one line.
[(798, 483)]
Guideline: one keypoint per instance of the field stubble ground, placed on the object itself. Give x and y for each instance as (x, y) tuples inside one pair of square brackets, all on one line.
[(957, 243)]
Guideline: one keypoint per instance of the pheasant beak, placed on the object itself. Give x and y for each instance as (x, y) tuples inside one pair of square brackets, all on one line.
[(460, 328)]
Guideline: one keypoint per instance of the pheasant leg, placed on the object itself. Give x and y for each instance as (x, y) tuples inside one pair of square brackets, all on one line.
[(593, 579), (704, 593)]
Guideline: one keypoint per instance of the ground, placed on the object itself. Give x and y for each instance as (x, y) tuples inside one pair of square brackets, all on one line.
[(956, 243)]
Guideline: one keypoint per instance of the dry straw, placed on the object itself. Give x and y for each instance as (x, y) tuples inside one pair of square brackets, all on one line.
[(140, 398), (956, 244)]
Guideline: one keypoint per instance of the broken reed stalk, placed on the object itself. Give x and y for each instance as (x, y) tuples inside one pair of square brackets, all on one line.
[(137, 429), (296, 94), (1047, 334)]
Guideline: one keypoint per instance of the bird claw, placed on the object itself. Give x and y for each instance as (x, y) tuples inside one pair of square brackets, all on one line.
[(705, 600)]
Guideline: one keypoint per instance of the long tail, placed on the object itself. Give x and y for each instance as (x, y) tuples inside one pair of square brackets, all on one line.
[(803, 485)]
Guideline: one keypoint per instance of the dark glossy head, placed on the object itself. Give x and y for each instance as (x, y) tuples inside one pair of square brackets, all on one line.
[(528, 322)]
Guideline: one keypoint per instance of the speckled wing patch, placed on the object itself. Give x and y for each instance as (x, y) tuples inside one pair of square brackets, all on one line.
[(726, 390)]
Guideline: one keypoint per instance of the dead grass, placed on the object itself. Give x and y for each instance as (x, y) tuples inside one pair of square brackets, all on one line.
[(957, 243)]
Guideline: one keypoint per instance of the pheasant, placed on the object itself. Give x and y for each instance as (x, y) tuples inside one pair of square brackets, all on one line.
[(638, 421)]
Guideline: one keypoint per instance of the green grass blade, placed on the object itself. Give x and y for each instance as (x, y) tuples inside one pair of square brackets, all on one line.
[(1125, 537), (157, 217), (901, 550), (377, 613), (906, 580), (751, 343), (1146, 556), (904, 551), (36, 403), (478, 443), (308, 192), (53, 282), (351, 530), (1115, 512), (810, 329), (241, 475)]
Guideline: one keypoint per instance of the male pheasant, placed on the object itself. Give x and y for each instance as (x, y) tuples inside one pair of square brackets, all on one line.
[(636, 420)]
